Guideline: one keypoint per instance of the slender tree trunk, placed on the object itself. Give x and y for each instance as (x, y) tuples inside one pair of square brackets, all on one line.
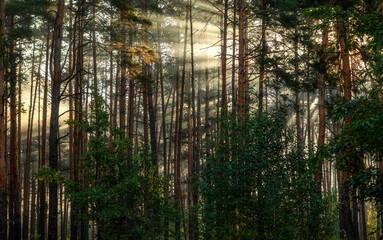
[(297, 94), (145, 113), (27, 165), (61, 195), (179, 131), (94, 48), (77, 133), (116, 96), (33, 206), (170, 167), (364, 223), (41, 225), (347, 226), (190, 160), (193, 234), (8, 186), (3, 163), (233, 89), (131, 95), (152, 126), (149, 106), (241, 59), (262, 57), (15, 193), (19, 111), (64, 219), (111, 94), (164, 145), (197, 159), (84, 223), (123, 73), (54, 121), (309, 124), (322, 95), (224, 17), (137, 120), (218, 105), (207, 103)]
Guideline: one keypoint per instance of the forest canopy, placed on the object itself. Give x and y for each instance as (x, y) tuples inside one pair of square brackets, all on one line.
[(191, 119)]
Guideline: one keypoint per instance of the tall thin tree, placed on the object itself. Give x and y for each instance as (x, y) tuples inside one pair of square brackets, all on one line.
[(54, 120), (3, 163)]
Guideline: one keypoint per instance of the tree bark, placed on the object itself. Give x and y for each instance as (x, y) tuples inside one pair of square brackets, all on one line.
[(190, 161), (131, 96), (15, 193), (233, 89), (197, 156), (94, 48), (322, 96), (123, 73), (207, 110), (296, 91), (178, 190), (27, 165), (224, 17), (41, 225), (111, 115), (3, 163), (262, 57), (241, 59), (346, 222), (54, 120)]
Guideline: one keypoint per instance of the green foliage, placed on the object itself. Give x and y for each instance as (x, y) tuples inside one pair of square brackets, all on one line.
[(360, 23), (25, 8), (48, 175), (256, 185), (362, 139), (122, 193)]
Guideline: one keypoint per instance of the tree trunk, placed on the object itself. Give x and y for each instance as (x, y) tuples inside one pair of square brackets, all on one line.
[(54, 120), (207, 120), (111, 116), (27, 165), (309, 124), (15, 194), (363, 222), (241, 59), (123, 73), (197, 159), (3, 163), (224, 17), (131, 96), (233, 89), (170, 167), (33, 206), (179, 133), (297, 93), (346, 222), (164, 145), (322, 96), (94, 48), (19, 111), (262, 57), (116, 96), (84, 230), (190, 161), (41, 225)]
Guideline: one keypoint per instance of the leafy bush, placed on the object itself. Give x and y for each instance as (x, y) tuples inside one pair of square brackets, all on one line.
[(120, 192), (257, 185)]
